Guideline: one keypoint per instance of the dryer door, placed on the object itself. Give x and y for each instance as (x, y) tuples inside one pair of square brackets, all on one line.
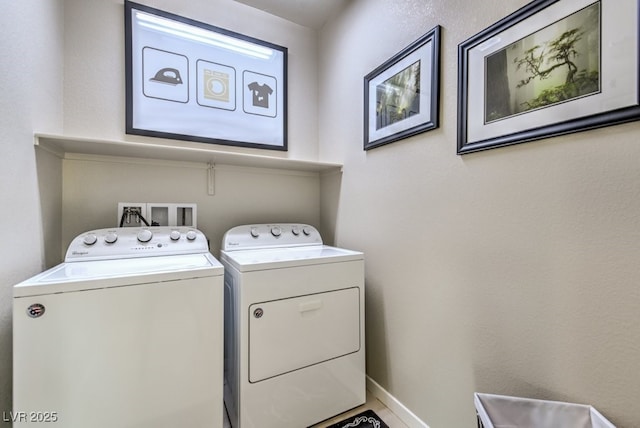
[(290, 334)]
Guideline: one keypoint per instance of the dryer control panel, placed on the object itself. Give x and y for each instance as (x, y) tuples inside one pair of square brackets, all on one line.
[(128, 242), (257, 236)]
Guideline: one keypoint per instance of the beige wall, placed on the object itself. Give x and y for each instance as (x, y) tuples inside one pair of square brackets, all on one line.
[(94, 185), (512, 271), (31, 87)]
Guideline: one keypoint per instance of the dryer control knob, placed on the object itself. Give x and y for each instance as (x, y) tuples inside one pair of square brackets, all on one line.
[(145, 235), (306, 231), (254, 232), (90, 239), (174, 235), (191, 235), (295, 230), (111, 237), (276, 231)]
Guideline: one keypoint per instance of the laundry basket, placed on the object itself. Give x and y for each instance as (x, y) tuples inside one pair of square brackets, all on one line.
[(501, 411)]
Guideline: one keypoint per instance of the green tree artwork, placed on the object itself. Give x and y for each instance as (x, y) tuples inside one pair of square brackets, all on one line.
[(557, 64)]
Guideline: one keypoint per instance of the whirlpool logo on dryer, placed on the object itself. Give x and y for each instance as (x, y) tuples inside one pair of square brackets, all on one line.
[(36, 310)]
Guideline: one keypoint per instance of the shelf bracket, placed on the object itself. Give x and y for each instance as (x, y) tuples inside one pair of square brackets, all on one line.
[(211, 179)]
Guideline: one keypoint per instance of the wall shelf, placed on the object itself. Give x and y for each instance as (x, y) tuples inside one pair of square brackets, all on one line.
[(63, 145)]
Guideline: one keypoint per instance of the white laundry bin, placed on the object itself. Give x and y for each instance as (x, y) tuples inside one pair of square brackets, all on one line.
[(501, 411)]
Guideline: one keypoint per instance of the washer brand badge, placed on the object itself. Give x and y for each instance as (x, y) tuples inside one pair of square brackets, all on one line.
[(36, 310)]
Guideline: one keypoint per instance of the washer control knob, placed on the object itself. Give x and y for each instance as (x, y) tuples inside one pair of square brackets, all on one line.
[(111, 237), (276, 231), (174, 235), (295, 230), (306, 231), (254, 232), (145, 235), (191, 235), (90, 239)]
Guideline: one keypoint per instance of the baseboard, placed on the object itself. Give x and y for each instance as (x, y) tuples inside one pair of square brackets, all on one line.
[(400, 410)]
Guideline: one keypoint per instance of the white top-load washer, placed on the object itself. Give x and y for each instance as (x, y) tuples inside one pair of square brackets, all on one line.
[(127, 332), (294, 327)]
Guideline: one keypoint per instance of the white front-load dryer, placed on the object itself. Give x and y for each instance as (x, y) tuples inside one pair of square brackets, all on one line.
[(294, 327), (127, 332)]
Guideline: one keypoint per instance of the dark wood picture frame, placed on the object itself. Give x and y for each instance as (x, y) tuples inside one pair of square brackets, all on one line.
[(618, 27), (412, 74)]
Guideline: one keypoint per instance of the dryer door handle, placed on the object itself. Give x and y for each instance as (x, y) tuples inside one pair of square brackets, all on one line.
[(310, 306)]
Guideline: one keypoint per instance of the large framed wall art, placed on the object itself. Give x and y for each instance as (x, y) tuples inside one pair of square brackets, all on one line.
[(192, 81), (553, 67), (401, 96)]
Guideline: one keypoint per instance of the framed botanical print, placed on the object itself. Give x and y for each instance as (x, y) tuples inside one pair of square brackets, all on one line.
[(553, 67)]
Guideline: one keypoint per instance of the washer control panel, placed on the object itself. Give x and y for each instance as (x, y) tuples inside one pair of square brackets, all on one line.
[(255, 236), (127, 242)]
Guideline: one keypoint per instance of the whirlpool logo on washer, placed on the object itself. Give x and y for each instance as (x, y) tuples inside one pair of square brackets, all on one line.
[(36, 310)]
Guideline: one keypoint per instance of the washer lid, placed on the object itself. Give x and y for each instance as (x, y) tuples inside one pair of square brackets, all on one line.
[(88, 275), (278, 258)]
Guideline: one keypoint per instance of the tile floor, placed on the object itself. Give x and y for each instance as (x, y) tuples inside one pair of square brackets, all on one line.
[(372, 403)]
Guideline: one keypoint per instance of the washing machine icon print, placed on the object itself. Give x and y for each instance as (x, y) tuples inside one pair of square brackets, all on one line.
[(216, 85)]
